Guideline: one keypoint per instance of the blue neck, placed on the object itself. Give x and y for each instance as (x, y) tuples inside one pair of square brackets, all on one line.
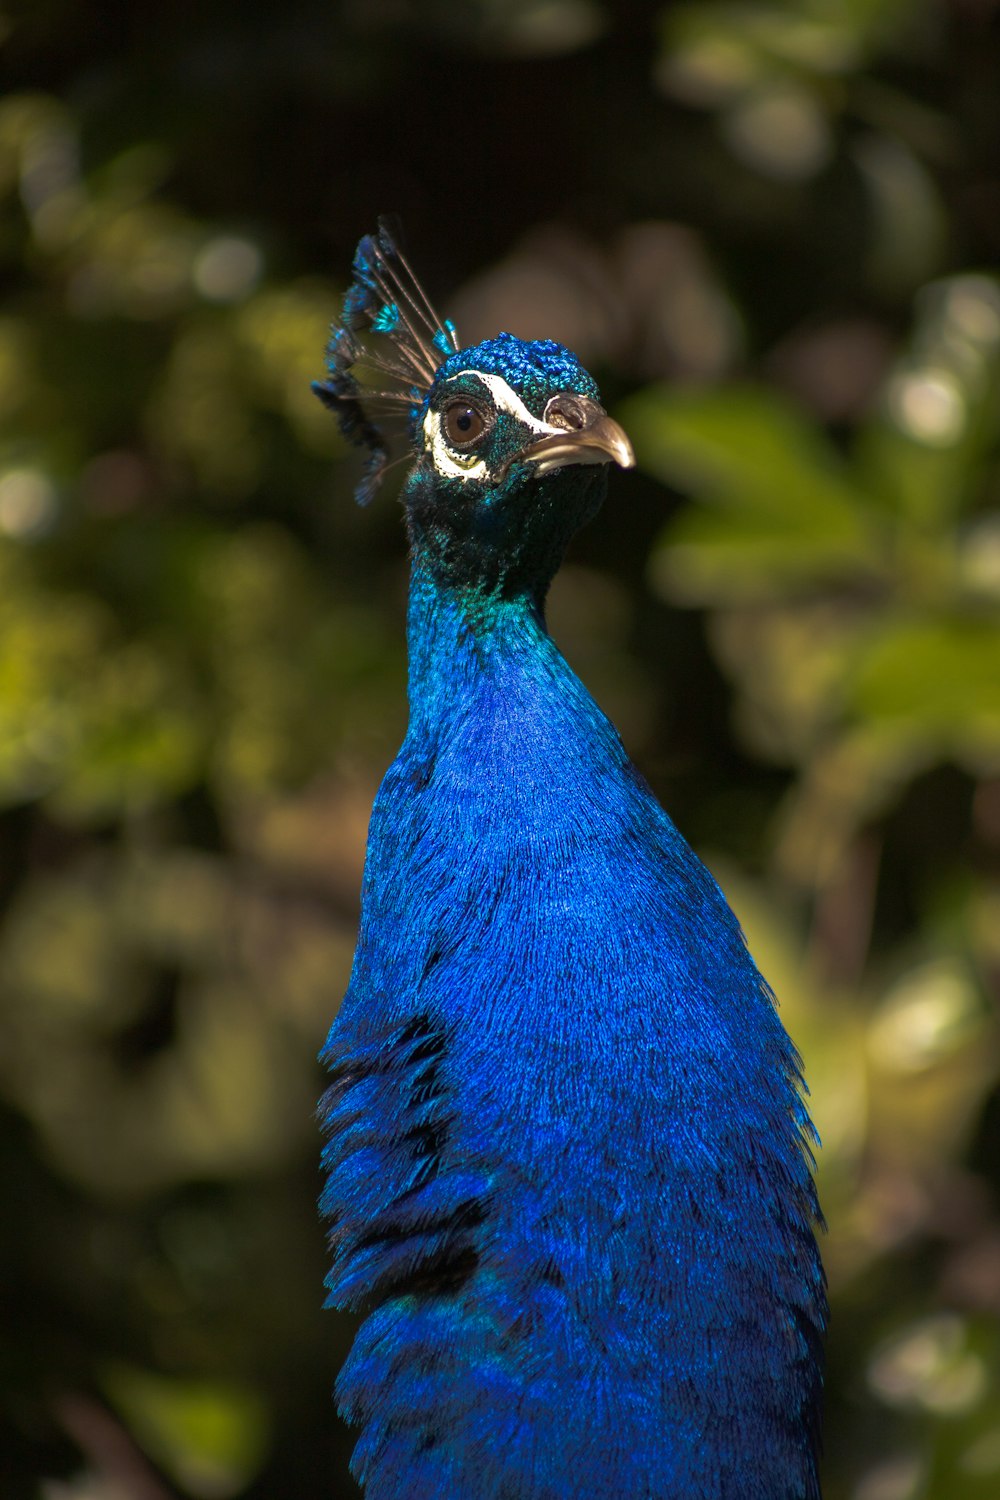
[(606, 1059), (456, 634)]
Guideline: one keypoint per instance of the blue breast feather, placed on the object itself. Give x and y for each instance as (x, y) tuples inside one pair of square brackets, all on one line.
[(566, 1164)]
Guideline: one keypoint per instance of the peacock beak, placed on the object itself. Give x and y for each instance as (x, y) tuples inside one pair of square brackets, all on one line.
[(590, 436)]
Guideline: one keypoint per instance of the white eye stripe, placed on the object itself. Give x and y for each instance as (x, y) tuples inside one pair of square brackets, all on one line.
[(504, 399), (509, 401)]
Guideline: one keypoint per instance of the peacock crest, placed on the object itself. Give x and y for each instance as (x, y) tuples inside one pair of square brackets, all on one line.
[(383, 354)]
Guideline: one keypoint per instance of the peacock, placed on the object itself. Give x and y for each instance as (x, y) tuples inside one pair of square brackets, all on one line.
[(568, 1165)]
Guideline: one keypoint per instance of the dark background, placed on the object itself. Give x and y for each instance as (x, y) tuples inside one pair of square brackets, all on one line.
[(772, 231)]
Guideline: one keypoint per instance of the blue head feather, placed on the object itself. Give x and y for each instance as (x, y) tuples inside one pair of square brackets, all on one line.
[(536, 370)]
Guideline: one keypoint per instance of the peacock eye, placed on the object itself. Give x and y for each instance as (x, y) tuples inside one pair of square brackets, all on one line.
[(463, 424)]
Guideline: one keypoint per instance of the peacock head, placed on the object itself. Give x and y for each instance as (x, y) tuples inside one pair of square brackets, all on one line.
[(507, 440)]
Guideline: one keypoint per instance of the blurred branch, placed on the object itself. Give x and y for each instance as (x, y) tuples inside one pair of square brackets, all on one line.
[(110, 1449)]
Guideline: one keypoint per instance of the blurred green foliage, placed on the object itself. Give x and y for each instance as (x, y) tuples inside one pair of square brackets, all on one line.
[(773, 230)]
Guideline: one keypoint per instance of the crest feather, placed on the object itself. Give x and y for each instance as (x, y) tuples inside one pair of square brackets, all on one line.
[(383, 353)]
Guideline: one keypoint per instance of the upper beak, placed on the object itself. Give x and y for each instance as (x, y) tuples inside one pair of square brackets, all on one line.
[(598, 440)]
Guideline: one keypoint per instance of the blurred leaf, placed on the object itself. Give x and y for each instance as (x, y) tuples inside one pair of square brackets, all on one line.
[(928, 448), (907, 219), (937, 679), (210, 1436), (930, 1365), (927, 1016), (784, 510)]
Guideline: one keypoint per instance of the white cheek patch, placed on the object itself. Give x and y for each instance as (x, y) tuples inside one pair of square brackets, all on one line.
[(464, 466), (446, 461)]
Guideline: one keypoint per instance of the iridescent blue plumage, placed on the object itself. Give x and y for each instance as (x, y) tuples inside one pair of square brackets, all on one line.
[(567, 1171)]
